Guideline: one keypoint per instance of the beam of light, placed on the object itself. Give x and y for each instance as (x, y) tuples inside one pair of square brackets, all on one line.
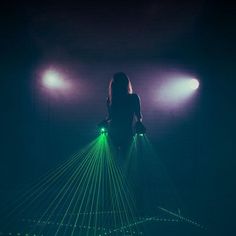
[(62, 195), (175, 91), (86, 195), (36, 190), (182, 218), (141, 156), (78, 194)]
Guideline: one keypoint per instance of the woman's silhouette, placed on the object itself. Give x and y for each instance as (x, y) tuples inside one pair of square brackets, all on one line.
[(123, 105)]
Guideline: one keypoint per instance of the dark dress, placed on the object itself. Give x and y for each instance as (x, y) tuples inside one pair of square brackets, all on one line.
[(121, 112)]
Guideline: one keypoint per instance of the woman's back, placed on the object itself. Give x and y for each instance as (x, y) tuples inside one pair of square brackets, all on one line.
[(122, 106), (122, 111)]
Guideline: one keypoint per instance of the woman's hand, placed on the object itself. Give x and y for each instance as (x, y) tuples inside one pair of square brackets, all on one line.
[(140, 128)]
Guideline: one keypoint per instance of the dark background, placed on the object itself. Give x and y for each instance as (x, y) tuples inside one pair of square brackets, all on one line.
[(94, 40)]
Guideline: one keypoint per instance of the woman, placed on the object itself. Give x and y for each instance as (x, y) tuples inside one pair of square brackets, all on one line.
[(123, 105)]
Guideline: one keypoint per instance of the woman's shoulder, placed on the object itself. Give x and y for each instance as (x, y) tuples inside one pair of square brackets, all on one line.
[(134, 96)]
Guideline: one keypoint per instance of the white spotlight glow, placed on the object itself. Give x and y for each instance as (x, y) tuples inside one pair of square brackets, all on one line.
[(194, 84), (176, 90), (54, 80)]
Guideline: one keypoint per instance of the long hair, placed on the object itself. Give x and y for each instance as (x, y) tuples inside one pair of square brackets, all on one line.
[(119, 86)]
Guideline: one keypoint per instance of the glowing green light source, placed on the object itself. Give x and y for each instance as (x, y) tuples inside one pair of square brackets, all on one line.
[(103, 130), (141, 135)]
